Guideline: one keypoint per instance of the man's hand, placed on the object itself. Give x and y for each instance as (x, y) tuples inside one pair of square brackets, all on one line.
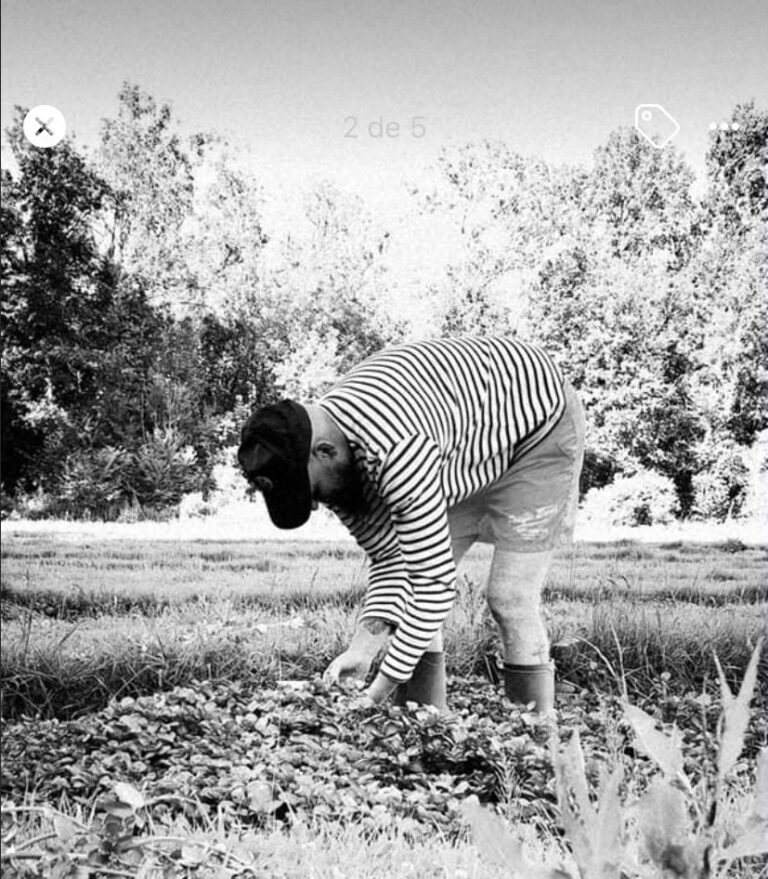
[(380, 688), (350, 664), (370, 636)]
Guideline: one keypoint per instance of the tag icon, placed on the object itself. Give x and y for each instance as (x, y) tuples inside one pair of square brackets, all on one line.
[(656, 125)]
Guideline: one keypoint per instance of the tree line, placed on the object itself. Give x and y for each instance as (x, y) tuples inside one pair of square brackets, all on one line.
[(148, 307)]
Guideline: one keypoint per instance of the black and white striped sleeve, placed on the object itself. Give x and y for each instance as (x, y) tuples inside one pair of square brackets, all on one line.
[(389, 590), (410, 485)]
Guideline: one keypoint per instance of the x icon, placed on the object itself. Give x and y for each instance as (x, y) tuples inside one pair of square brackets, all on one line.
[(43, 126)]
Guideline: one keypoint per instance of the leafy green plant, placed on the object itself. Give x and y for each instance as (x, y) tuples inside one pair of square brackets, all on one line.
[(678, 826), (106, 843), (317, 752)]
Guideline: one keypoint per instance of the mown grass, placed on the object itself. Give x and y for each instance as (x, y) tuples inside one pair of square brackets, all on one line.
[(106, 576), (86, 622), (71, 580)]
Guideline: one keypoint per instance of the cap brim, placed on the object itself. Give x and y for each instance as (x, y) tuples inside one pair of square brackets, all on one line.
[(289, 503)]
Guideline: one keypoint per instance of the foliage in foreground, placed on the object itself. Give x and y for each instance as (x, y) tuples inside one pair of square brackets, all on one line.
[(681, 830), (303, 753)]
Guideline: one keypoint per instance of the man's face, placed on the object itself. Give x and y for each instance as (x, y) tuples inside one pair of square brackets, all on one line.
[(334, 482)]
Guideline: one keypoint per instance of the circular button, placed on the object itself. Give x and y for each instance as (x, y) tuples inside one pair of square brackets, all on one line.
[(44, 126)]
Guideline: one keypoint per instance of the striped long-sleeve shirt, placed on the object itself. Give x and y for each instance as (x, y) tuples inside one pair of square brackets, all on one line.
[(430, 424)]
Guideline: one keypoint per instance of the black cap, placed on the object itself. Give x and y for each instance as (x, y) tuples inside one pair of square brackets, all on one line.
[(274, 454)]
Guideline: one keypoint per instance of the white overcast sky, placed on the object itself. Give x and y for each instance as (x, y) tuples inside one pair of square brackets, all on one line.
[(550, 77)]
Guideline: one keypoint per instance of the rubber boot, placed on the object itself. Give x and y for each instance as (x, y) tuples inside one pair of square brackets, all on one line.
[(427, 685), (524, 684)]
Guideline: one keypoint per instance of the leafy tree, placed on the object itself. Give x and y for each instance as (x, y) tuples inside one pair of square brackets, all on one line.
[(149, 170), (80, 341), (737, 166), (613, 330), (224, 238), (609, 299), (54, 295), (507, 210), (731, 380), (731, 274), (639, 199), (327, 293), (185, 224)]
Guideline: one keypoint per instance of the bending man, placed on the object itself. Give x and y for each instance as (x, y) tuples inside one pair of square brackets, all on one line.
[(421, 450)]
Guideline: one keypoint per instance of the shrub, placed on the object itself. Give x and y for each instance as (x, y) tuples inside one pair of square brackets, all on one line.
[(756, 496), (599, 470), (720, 492), (7, 503), (36, 504), (116, 484), (162, 470), (94, 483), (227, 486), (645, 498)]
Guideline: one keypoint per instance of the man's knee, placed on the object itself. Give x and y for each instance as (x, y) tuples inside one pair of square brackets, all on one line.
[(516, 581)]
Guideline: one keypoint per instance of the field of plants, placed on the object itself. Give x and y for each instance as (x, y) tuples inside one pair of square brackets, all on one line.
[(163, 714)]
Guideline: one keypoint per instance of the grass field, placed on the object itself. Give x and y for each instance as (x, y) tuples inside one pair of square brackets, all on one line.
[(94, 628)]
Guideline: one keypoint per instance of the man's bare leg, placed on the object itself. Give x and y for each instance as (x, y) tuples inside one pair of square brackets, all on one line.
[(427, 685), (514, 597)]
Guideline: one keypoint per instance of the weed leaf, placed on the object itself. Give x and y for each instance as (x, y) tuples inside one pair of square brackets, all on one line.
[(753, 842), (760, 807), (736, 713), (128, 794), (754, 837), (65, 828), (499, 846), (725, 691), (260, 796), (666, 831), (664, 749), (663, 820), (492, 837), (193, 854), (578, 823), (609, 836)]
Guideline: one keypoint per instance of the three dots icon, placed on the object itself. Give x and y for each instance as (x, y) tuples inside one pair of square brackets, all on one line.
[(723, 126)]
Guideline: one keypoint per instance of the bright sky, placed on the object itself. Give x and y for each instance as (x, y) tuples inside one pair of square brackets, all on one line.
[(290, 77)]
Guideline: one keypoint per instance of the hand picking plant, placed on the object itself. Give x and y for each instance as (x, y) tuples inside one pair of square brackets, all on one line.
[(674, 829)]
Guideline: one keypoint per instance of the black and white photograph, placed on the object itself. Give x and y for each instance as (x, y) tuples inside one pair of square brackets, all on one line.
[(384, 465)]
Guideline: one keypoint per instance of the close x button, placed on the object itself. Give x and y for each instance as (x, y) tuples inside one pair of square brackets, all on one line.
[(44, 126)]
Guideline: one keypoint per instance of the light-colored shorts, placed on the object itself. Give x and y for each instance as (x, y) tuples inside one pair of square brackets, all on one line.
[(532, 507)]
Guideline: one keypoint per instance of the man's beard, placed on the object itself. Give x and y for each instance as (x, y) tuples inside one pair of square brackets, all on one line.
[(347, 493)]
